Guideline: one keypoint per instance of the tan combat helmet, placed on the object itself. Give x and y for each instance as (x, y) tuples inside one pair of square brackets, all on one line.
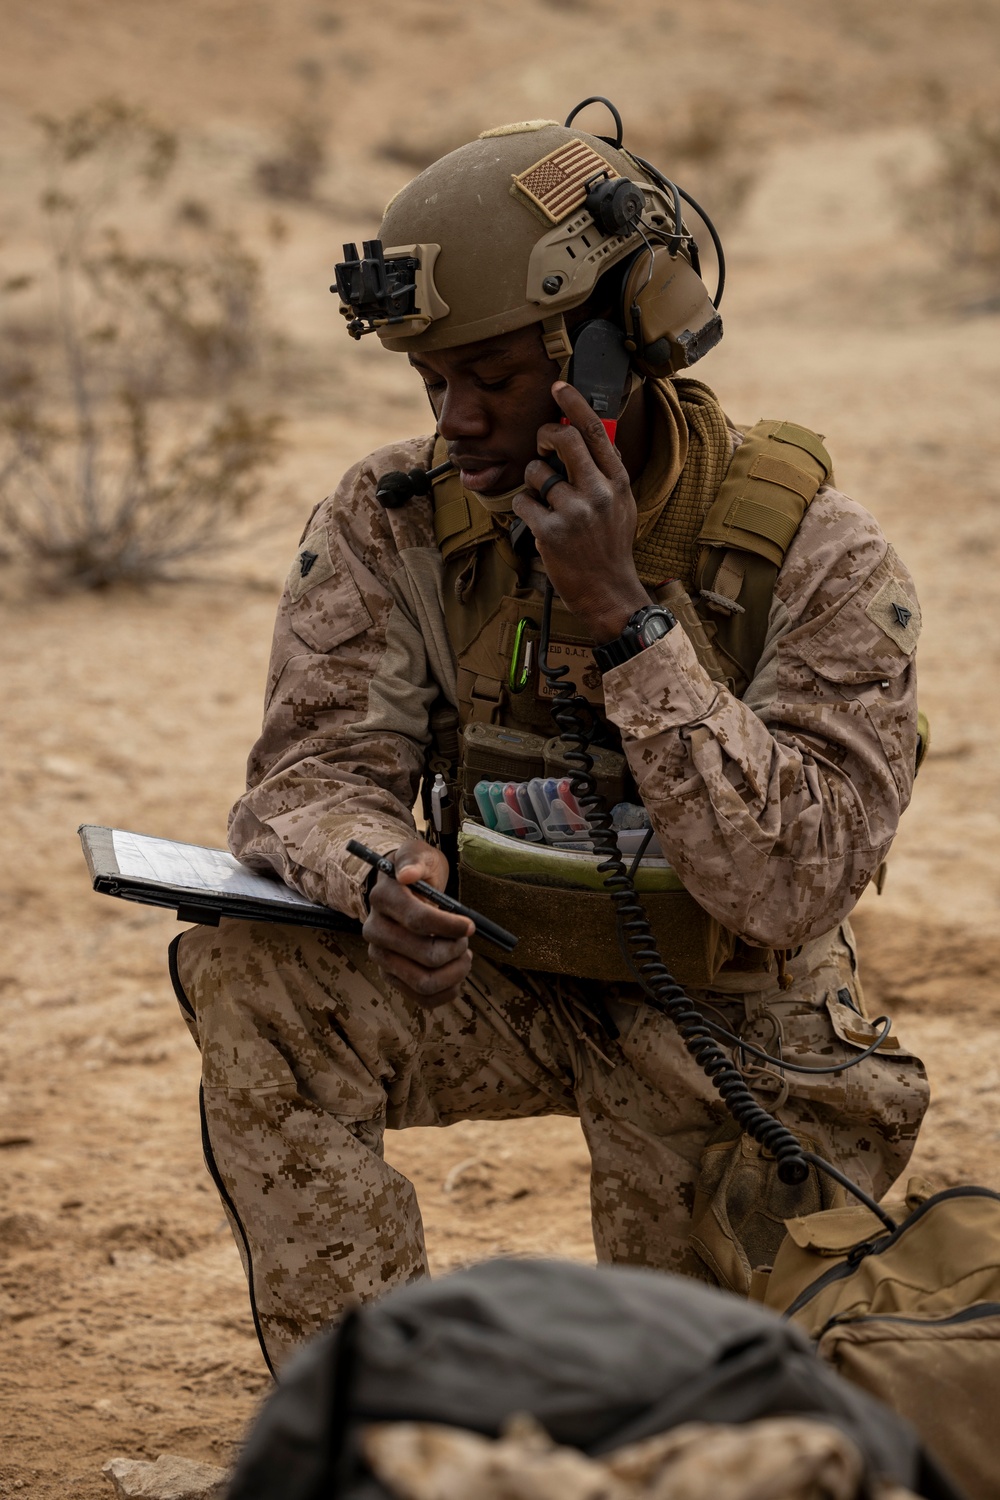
[(516, 228)]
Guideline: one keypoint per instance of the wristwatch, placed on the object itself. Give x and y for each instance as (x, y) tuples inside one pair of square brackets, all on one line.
[(644, 627)]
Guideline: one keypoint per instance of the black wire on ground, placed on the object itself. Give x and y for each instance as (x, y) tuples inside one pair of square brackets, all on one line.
[(664, 992)]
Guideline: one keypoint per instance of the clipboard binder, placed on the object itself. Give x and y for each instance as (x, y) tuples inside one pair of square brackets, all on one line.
[(201, 884)]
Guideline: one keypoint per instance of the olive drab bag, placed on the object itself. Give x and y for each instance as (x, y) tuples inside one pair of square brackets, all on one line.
[(912, 1316)]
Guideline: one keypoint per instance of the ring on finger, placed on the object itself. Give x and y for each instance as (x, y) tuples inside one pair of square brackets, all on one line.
[(546, 485)]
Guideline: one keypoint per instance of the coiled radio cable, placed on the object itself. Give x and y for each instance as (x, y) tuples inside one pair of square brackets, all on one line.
[(569, 711)]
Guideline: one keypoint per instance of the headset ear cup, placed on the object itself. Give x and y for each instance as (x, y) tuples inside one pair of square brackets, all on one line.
[(667, 314)]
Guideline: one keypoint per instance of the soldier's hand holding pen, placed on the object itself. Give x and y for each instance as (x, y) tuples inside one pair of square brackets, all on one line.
[(425, 950)]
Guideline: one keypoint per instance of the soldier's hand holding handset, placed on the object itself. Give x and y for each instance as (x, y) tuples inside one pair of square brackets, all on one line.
[(585, 527)]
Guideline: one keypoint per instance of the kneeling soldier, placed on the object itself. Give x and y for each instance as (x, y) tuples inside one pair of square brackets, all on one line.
[(743, 636)]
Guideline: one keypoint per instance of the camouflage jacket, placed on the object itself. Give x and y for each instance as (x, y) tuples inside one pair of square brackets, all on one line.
[(775, 810)]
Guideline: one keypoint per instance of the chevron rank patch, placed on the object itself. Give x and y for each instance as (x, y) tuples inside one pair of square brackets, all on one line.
[(313, 564), (555, 185), (897, 613)]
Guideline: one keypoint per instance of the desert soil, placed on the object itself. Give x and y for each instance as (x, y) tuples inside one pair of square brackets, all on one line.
[(123, 1315)]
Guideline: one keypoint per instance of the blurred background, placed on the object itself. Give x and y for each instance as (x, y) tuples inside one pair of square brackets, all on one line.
[(177, 392)]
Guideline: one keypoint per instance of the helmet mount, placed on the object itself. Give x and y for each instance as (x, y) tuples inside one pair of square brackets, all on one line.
[(614, 204)]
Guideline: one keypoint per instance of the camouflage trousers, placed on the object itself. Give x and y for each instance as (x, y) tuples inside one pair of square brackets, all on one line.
[(309, 1052)]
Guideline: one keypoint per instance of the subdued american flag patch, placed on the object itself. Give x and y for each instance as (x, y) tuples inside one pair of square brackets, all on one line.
[(555, 184)]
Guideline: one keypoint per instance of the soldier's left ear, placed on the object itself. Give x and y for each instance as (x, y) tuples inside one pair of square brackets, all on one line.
[(669, 319)]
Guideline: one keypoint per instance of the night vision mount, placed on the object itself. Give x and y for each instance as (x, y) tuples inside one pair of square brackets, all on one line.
[(376, 292)]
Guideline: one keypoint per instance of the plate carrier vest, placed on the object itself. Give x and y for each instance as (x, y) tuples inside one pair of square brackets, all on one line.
[(492, 606)]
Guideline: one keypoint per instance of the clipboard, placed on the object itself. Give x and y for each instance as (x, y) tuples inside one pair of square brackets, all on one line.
[(201, 884)]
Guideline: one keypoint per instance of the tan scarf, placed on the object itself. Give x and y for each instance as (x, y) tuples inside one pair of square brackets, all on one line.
[(689, 454)]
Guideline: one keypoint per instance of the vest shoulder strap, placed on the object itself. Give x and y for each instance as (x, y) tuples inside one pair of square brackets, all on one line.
[(455, 525), (774, 474)]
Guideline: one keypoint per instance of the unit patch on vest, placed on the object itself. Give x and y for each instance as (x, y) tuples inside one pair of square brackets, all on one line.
[(897, 613), (583, 670), (313, 564)]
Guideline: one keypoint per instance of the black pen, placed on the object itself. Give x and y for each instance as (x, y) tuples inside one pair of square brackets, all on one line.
[(487, 929)]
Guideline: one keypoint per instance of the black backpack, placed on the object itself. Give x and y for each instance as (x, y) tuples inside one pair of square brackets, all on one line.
[(600, 1356)]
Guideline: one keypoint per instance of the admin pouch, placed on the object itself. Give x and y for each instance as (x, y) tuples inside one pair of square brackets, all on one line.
[(566, 930), (729, 530), (911, 1316)]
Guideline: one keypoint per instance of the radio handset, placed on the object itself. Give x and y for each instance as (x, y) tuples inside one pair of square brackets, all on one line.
[(599, 370)]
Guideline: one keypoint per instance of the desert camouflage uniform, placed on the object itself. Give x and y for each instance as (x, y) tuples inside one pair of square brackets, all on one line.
[(776, 811), (785, 1458)]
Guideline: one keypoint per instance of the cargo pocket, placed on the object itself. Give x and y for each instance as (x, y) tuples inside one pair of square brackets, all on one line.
[(873, 1109), (741, 1205), (890, 1087)]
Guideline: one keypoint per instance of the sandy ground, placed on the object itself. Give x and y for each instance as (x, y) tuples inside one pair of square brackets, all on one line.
[(123, 1314)]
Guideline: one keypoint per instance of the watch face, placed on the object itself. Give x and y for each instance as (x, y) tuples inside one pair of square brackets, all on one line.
[(656, 624)]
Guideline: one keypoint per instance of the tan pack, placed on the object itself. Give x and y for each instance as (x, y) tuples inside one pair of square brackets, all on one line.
[(912, 1316)]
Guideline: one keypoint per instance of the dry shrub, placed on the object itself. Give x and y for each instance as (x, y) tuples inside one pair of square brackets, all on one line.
[(117, 503), (108, 470), (295, 168), (193, 321), (957, 206), (708, 148)]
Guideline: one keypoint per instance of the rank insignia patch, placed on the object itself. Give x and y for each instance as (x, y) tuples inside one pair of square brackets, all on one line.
[(897, 613), (313, 565)]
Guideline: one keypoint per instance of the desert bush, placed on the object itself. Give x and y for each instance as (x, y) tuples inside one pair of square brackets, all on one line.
[(956, 207), (706, 145), (125, 446), (294, 170)]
